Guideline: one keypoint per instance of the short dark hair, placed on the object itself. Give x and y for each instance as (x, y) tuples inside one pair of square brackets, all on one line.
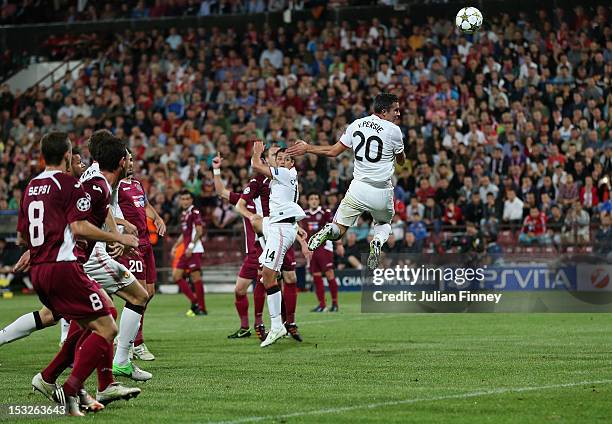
[(110, 153), (384, 101), (96, 140), (186, 192), (54, 146), (313, 193), (282, 150)]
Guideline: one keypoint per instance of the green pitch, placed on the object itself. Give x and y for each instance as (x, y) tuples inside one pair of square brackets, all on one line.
[(352, 367)]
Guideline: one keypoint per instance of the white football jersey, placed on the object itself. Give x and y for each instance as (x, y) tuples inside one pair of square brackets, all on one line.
[(284, 195), (375, 142)]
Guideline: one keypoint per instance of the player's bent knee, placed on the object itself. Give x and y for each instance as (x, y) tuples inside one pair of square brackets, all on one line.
[(241, 287), (289, 277), (135, 294), (46, 317), (105, 326), (268, 277)]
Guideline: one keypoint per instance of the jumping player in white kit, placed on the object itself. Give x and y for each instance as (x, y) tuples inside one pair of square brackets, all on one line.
[(377, 143), (280, 229)]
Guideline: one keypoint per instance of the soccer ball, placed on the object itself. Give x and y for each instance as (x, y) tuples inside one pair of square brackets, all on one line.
[(469, 20)]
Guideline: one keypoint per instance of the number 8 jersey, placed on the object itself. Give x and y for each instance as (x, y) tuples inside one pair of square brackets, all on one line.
[(51, 202), (375, 142)]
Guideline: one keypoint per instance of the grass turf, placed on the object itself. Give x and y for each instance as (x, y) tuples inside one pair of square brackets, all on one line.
[(423, 368)]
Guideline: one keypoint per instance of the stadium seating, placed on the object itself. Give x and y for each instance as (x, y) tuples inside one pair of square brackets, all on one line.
[(539, 82)]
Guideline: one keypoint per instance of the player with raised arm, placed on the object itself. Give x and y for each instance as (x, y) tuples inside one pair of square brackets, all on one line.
[(250, 265), (322, 261), (258, 191), (133, 210), (279, 228), (377, 143), (190, 262), (52, 214)]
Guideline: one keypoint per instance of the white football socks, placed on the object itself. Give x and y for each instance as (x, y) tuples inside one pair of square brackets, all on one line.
[(335, 231), (128, 328), (274, 306), (64, 327), (18, 329), (382, 232)]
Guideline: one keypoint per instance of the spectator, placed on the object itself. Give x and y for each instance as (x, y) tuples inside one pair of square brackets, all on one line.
[(603, 236), (351, 257), (475, 209), (432, 215), (417, 227), (534, 228), (555, 224), (568, 192), (576, 229), (513, 208), (588, 195), (411, 246), (273, 55)]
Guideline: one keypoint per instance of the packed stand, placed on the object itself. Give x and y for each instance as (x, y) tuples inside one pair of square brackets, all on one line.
[(16, 12), (508, 132)]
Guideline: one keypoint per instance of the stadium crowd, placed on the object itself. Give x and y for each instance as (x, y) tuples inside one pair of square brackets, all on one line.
[(509, 128), (15, 12)]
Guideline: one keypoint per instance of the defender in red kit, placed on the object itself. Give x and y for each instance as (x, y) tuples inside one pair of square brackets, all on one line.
[(250, 266), (134, 208), (322, 261), (52, 214), (190, 263)]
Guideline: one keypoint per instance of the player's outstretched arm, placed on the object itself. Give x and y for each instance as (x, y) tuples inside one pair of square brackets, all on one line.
[(220, 189), (301, 148), (257, 163), (89, 231)]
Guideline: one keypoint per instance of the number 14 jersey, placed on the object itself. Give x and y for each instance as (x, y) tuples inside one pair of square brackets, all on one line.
[(375, 142)]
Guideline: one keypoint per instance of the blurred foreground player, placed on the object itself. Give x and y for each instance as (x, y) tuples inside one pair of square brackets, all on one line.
[(190, 263), (53, 212)]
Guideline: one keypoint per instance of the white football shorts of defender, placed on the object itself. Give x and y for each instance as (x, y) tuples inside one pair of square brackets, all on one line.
[(110, 274), (375, 142), (279, 235)]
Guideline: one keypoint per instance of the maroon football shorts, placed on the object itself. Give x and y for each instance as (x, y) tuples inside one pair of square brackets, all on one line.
[(66, 290), (289, 260), (148, 258), (191, 264), (249, 267), (135, 264), (322, 260)]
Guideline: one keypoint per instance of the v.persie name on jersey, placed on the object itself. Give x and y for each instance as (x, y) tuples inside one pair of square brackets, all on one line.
[(39, 190), (370, 124)]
